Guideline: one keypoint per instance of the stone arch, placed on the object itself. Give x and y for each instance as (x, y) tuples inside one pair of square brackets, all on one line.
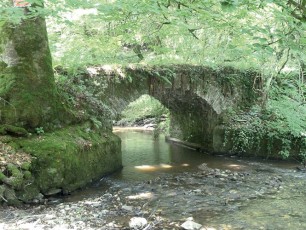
[(196, 96)]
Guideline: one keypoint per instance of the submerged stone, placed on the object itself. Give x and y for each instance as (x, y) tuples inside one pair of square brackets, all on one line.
[(53, 192)]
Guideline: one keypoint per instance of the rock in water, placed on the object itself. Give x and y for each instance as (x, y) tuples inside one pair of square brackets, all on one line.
[(53, 192), (190, 225), (137, 223), (127, 208), (204, 167)]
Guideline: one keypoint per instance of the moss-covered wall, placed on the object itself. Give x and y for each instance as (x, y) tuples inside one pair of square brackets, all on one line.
[(72, 157), (250, 142), (64, 161)]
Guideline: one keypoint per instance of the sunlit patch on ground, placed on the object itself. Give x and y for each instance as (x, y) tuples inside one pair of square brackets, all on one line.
[(147, 168), (236, 166), (166, 166), (141, 196), (152, 168)]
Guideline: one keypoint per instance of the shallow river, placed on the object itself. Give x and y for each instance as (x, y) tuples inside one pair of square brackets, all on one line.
[(167, 183), (146, 158)]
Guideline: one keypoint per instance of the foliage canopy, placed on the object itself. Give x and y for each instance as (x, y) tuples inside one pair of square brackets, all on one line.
[(267, 34)]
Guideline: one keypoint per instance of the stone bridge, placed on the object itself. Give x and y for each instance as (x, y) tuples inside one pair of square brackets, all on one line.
[(199, 98)]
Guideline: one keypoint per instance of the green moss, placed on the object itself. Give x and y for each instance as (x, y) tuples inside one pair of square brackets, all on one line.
[(27, 175), (66, 159), (26, 166), (13, 130), (27, 79), (16, 183), (14, 170), (15, 180), (29, 193), (2, 177), (253, 137), (10, 196), (72, 157)]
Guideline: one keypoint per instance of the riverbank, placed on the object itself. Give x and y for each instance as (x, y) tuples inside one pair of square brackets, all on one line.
[(214, 198), (35, 167)]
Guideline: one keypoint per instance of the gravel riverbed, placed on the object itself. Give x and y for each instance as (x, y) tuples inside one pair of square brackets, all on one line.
[(164, 202)]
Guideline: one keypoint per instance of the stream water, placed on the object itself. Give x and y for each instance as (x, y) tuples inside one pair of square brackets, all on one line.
[(145, 158), (269, 195), (167, 183)]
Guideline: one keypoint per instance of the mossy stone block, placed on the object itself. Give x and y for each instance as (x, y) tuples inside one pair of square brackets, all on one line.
[(29, 193), (13, 130), (26, 166), (27, 175), (10, 197), (61, 160)]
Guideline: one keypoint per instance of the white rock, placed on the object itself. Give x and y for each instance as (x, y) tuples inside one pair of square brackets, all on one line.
[(127, 208), (49, 217), (137, 223), (197, 191), (104, 212), (190, 225)]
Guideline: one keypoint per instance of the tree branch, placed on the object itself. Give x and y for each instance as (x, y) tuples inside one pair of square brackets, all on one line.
[(286, 61)]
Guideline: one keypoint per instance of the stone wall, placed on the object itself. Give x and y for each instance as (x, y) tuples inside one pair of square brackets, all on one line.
[(197, 96), (58, 163)]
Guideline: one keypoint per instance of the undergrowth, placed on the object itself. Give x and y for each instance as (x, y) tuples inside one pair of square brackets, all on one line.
[(83, 97), (280, 126)]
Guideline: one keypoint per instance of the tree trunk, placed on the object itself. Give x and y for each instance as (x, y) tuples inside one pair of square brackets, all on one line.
[(28, 95)]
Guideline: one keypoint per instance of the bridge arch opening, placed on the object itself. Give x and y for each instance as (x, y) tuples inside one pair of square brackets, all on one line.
[(147, 112), (180, 114)]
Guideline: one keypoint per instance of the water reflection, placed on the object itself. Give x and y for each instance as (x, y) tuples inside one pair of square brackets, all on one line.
[(145, 157)]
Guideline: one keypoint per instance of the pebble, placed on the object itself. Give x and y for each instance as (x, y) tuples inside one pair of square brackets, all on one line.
[(112, 210), (104, 212), (191, 225), (49, 217), (137, 223), (127, 208)]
